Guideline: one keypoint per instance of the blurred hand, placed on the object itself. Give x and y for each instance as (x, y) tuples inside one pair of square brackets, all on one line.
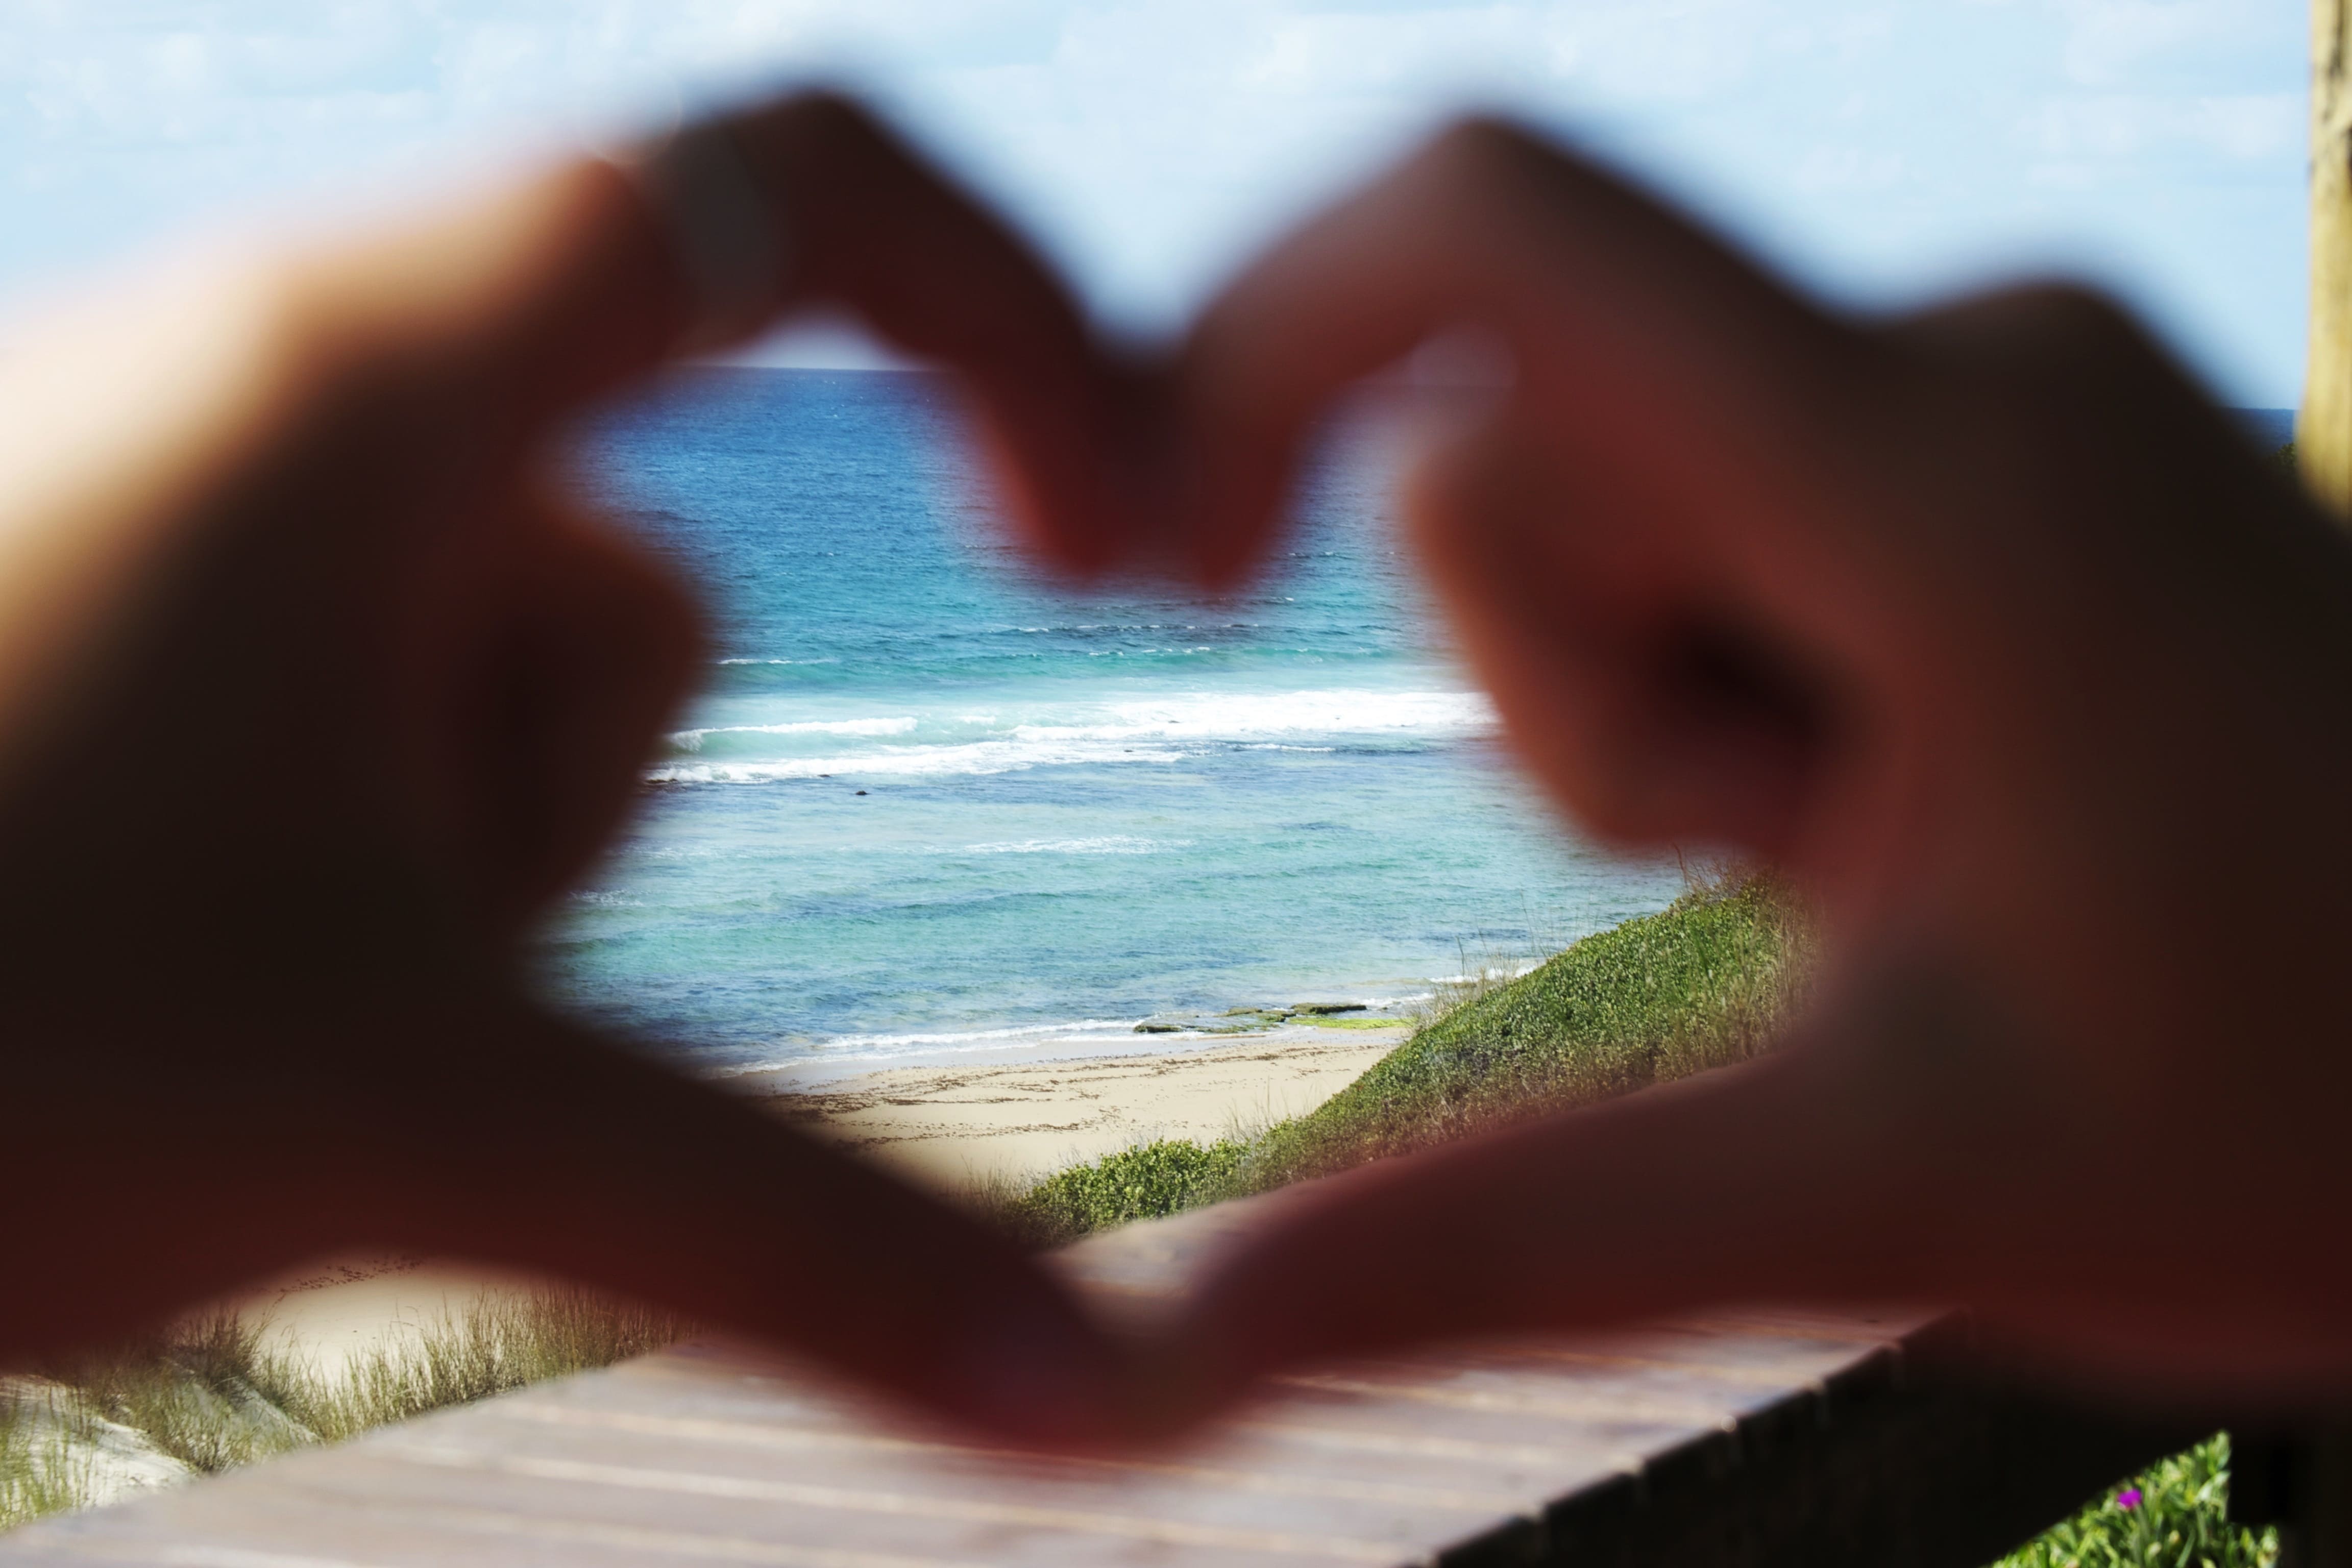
[(1987, 625), (314, 692)]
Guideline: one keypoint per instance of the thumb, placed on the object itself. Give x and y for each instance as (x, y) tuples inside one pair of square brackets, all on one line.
[(1802, 1177), (543, 718)]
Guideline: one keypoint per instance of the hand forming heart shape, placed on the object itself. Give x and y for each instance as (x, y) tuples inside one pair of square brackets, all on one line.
[(1983, 623)]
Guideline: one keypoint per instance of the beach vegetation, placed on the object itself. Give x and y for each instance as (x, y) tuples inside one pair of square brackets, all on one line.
[(2174, 1514), (1702, 983), (42, 1470), (1143, 1182), (1706, 983), (224, 1389)]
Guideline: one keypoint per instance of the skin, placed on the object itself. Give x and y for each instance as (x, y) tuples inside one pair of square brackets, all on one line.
[(1987, 626), (1984, 624), (315, 691)]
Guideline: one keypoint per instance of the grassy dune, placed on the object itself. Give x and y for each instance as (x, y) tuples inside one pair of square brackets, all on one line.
[(1701, 984)]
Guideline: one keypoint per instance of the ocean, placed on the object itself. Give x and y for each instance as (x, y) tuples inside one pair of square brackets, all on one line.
[(929, 806)]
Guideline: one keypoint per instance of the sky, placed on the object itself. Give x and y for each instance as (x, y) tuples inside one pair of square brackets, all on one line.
[(1880, 154)]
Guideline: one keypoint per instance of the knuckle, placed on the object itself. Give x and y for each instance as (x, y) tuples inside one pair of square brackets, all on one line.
[(2070, 319), (1482, 157), (1480, 176), (1480, 143), (828, 119), (2040, 324)]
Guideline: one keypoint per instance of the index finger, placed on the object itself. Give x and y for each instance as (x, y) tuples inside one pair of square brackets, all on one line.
[(1671, 353), (504, 317)]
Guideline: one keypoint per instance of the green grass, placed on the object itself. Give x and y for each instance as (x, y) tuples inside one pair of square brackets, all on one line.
[(501, 1342), (220, 1389), (1701, 984), (2177, 1520), (42, 1470), (1143, 1182)]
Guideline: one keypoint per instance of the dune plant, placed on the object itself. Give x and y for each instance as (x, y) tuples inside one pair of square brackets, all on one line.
[(2173, 1515), (223, 1390), (42, 1471), (498, 1343), (1141, 1182)]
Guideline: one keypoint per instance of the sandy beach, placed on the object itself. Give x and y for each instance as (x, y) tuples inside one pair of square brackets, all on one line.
[(1013, 1121)]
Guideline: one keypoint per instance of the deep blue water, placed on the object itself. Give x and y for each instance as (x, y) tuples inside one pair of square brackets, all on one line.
[(1077, 811)]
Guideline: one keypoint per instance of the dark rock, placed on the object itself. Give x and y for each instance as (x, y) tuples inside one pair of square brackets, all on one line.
[(1325, 1009)]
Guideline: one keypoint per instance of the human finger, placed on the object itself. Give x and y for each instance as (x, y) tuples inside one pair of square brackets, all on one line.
[(1633, 681), (641, 1182), (1914, 1146), (874, 227), (1738, 1186), (489, 1132), (1663, 351), (540, 678), (483, 328)]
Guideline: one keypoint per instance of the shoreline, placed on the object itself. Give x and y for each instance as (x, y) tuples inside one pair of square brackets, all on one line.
[(819, 1066)]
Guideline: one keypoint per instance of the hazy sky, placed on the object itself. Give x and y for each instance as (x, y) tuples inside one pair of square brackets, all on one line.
[(1881, 152)]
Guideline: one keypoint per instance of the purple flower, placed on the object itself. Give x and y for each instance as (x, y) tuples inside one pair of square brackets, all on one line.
[(2128, 1498)]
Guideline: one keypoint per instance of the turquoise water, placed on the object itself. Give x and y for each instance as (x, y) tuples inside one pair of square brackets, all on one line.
[(927, 805)]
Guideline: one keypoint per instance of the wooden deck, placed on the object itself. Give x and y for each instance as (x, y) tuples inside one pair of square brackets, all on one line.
[(1752, 1439)]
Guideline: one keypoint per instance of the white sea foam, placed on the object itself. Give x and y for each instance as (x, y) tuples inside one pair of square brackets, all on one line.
[(1257, 715), (823, 1058), (911, 762), (1115, 844), (1075, 734), (691, 740), (886, 1048)]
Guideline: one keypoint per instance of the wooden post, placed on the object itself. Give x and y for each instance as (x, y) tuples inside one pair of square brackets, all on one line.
[(2323, 426)]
